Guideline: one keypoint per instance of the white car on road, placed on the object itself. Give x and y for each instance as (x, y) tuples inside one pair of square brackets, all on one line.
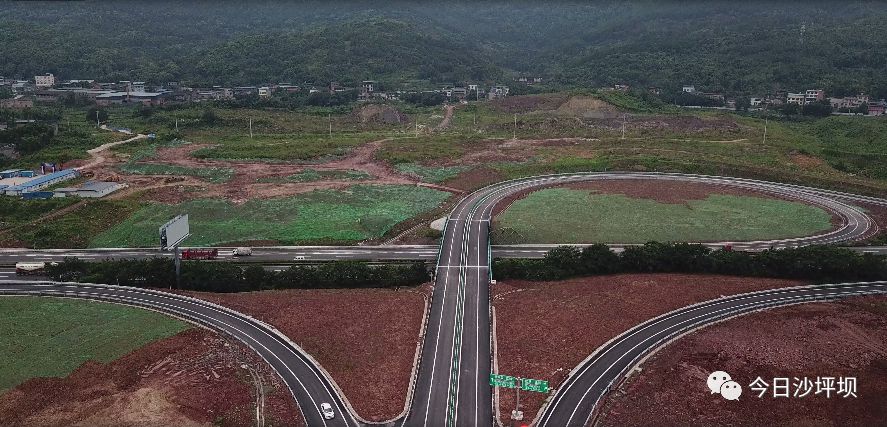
[(327, 411)]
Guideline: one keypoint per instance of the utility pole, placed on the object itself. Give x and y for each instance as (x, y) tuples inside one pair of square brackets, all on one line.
[(329, 117), (514, 131), (417, 126), (177, 125), (96, 117), (250, 128), (623, 126), (765, 130)]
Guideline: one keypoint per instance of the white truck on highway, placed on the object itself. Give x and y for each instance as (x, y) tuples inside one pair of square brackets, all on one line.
[(30, 268)]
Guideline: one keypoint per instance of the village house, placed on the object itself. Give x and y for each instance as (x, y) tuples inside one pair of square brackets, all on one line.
[(18, 102), (813, 95), (46, 80), (877, 108), (849, 102), (497, 92), (795, 98)]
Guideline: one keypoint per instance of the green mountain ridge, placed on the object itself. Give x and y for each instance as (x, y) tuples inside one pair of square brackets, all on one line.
[(740, 48)]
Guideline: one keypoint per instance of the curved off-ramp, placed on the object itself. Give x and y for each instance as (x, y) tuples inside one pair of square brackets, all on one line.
[(575, 401), (451, 387), (308, 383)]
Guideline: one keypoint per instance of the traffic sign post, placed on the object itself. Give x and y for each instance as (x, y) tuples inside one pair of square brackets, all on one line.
[(538, 386), (506, 381), (518, 384)]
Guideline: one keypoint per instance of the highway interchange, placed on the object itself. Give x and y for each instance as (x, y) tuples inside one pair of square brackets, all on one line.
[(450, 386)]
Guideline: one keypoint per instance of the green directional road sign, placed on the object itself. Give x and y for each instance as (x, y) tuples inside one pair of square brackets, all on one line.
[(506, 381), (529, 384)]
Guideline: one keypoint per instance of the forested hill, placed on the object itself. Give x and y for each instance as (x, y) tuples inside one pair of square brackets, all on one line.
[(737, 47)]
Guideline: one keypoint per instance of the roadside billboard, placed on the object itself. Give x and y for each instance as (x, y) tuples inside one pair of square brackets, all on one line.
[(174, 232)]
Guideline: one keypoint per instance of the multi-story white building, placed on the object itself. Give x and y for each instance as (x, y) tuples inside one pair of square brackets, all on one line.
[(46, 80), (813, 95), (795, 98)]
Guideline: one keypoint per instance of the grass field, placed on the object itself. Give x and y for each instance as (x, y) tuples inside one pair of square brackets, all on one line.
[(359, 213), (560, 215), (43, 337)]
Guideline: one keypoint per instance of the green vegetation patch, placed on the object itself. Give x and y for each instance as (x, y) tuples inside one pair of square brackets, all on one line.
[(561, 215), (311, 175), (424, 148), (430, 174), (74, 229), (211, 174), (49, 337), (280, 147), (15, 211), (359, 213)]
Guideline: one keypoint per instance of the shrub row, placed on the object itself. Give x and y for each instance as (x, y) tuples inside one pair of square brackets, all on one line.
[(225, 277), (820, 264)]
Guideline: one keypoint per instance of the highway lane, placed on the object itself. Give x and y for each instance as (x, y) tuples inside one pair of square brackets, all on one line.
[(309, 385), (575, 401), (284, 254)]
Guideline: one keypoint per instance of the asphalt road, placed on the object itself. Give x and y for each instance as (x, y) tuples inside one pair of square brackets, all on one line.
[(285, 256), (451, 387), (574, 403), (308, 384)]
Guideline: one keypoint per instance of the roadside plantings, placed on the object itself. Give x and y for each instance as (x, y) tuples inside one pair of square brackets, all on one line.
[(224, 277), (820, 264)]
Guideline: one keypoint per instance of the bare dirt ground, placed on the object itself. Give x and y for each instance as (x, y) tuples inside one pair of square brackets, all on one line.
[(529, 103), (247, 182), (194, 378), (447, 119), (845, 338), (545, 329), (366, 339), (475, 178)]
